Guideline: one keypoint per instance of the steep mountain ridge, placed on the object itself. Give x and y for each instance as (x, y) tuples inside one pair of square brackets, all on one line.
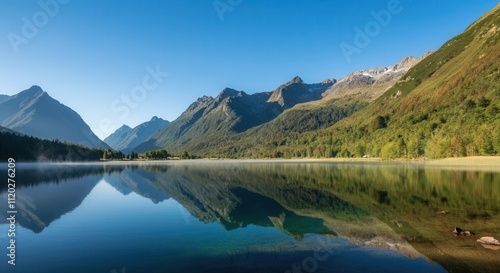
[(295, 92), (33, 112), (231, 112)]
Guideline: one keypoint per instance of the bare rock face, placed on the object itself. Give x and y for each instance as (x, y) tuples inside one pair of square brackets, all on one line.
[(296, 91), (371, 83)]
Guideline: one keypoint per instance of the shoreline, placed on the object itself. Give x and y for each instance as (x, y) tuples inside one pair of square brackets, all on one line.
[(476, 161)]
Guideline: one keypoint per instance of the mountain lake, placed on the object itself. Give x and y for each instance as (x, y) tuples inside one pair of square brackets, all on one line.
[(250, 216)]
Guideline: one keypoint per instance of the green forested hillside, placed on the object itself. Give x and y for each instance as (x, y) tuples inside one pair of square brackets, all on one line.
[(27, 148), (266, 140), (448, 105)]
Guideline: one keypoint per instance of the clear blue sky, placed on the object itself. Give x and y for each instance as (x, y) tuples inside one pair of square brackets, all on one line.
[(87, 54)]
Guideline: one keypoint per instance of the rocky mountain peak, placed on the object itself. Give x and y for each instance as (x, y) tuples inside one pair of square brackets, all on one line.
[(404, 64), (33, 112), (35, 89), (296, 79), (33, 92), (329, 82), (382, 77), (227, 92), (379, 72), (205, 100), (124, 127)]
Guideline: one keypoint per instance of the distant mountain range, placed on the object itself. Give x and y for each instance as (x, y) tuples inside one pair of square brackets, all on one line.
[(116, 137), (126, 138), (210, 123), (232, 112), (442, 104), (33, 112)]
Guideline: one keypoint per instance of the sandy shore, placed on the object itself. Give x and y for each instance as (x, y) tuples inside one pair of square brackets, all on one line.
[(468, 161), (462, 161), (479, 162)]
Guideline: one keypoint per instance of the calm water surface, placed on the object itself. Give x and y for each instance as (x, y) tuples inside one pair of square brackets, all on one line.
[(251, 217)]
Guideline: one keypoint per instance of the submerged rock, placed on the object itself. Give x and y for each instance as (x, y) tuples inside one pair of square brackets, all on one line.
[(491, 247), (458, 231), (489, 241), (467, 233)]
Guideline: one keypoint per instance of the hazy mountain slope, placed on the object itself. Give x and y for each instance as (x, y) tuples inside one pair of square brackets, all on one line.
[(33, 112), (125, 139), (113, 139), (447, 105), (141, 133), (4, 98)]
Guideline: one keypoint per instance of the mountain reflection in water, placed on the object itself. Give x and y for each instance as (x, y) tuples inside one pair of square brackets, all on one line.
[(273, 215)]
